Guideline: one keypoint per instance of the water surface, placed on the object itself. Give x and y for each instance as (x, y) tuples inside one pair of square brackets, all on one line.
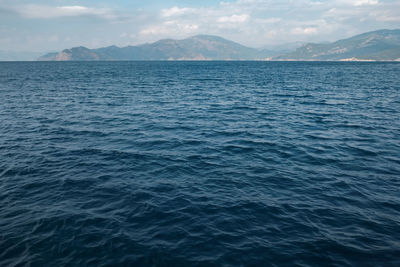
[(199, 163)]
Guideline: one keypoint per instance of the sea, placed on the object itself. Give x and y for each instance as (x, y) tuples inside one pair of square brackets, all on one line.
[(199, 163)]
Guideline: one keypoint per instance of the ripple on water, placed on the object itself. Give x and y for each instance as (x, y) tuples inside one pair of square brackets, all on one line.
[(199, 163)]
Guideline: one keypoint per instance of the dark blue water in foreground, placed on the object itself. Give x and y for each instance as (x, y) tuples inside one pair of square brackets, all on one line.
[(199, 163)]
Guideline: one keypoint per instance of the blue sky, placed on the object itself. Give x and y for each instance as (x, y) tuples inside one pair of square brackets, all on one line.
[(51, 25)]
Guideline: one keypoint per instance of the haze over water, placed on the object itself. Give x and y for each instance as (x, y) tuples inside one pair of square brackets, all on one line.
[(199, 163)]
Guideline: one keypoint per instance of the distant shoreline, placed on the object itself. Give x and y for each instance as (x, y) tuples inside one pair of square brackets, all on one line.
[(212, 60)]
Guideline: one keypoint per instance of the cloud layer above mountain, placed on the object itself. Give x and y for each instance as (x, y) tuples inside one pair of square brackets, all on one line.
[(55, 24)]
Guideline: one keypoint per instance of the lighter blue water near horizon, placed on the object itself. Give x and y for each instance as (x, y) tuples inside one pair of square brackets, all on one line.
[(199, 164)]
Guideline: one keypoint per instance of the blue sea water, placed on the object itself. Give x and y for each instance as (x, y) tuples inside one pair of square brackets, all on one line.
[(199, 164)]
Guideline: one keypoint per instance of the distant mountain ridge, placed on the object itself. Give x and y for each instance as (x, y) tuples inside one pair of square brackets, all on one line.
[(376, 45), (200, 47)]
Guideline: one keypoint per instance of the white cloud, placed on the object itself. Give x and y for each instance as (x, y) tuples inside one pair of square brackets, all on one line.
[(47, 12), (365, 2), (259, 22), (176, 11), (154, 30), (307, 30), (268, 20), (170, 28), (234, 18), (389, 18), (250, 22)]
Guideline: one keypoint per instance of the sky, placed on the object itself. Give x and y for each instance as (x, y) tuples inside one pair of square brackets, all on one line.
[(53, 25)]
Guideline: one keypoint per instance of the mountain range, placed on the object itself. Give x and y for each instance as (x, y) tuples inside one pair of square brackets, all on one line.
[(378, 45)]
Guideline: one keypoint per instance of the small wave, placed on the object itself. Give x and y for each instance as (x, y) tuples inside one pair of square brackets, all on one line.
[(199, 163)]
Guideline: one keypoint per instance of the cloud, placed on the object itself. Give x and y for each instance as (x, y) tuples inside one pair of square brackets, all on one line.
[(308, 30), (365, 2), (48, 12), (256, 22), (250, 22), (176, 11), (170, 28), (234, 18)]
